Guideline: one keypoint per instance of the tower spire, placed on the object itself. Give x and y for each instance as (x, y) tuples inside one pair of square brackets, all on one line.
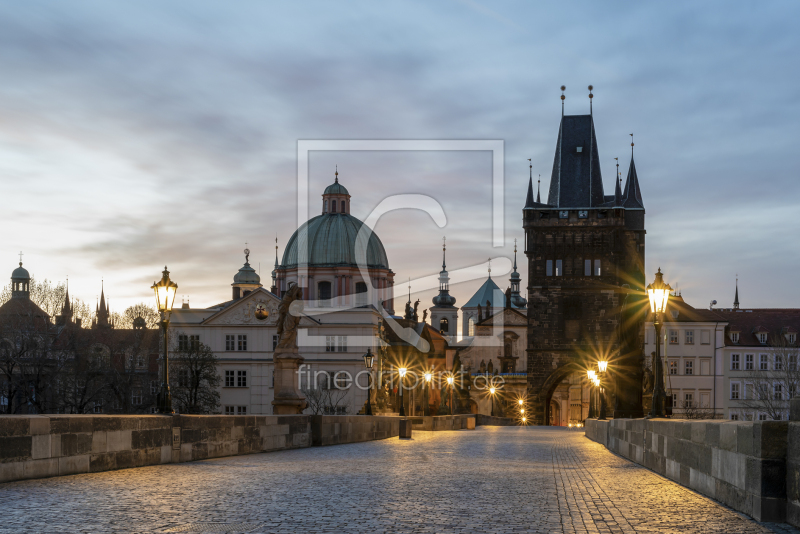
[(490, 267), (591, 96), (444, 249), (337, 174), (563, 88), (538, 190), (529, 197), (617, 187), (736, 297), (631, 146)]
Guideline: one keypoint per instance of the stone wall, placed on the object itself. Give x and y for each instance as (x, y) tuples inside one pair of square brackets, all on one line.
[(488, 420), (38, 446), (793, 465), (444, 422), (741, 464), (338, 429)]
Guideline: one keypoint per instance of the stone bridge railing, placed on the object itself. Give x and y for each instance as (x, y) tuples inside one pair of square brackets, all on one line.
[(741, 464), (38, 446)]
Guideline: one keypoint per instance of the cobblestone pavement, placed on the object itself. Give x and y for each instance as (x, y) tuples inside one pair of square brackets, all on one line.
[(493, 479)]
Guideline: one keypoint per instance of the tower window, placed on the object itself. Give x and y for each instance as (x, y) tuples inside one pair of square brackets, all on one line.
[(471, 324), (344, 206), (597, 267), (333, 206), (444, 326), (324, 206), (559, 268), (587, 270), (549, 270)]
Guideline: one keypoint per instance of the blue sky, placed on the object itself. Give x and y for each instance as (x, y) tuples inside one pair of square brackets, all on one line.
[(134, 135)]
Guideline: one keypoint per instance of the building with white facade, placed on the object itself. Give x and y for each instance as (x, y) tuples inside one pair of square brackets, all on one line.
[(342, 295), (691, 349)]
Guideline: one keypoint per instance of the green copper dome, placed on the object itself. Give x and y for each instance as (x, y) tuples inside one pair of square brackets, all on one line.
[(331, 241), (336, 189)]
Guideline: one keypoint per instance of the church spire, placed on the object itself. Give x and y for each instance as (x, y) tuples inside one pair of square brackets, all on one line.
[(632, 195), (443, 299), (515, 299), (736, 297), (274, 288), (617, 187)]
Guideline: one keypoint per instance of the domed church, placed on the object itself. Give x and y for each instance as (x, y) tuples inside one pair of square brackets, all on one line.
[(343, 311), (322, 256)]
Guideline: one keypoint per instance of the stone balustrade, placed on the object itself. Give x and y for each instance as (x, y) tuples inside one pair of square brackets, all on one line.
[(739, 463)]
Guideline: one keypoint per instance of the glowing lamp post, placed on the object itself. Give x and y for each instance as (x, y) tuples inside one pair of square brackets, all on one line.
[(450, 381), (426, 410), (492, 391), (602, 365), (658, 292), (402, 372), (369, 360), (592, 375), (165, 290)]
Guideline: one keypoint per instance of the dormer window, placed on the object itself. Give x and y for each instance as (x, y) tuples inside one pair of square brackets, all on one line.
[(734, 337), (791, 338), (762, 338)]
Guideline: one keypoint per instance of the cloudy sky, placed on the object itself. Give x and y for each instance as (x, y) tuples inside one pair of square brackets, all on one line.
[(134, 135)]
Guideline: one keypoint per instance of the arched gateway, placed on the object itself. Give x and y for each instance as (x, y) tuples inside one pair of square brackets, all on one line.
[(585, 255)]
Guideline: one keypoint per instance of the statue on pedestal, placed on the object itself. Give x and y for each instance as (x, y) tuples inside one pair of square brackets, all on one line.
[(288, 398)]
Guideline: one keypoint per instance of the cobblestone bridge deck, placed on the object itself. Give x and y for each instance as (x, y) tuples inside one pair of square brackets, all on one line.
[(493, 479)]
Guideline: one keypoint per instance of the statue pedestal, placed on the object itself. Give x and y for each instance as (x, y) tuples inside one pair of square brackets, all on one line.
[(647, 402), (289, 400)]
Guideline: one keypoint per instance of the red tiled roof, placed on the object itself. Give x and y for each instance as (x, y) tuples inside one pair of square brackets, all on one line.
[(749, 322)]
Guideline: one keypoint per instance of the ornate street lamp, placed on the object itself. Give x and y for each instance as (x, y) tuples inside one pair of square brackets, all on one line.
[(492, 391), (658, 292), (165, 290), (402, 372), (602, 365), (450, 381), (369, 359), (426, 410), (592, 375)]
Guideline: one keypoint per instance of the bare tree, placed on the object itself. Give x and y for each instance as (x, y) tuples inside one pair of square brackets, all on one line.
[(131, 313), (694, 410), (194, 381), (325, 397), (768, 391)]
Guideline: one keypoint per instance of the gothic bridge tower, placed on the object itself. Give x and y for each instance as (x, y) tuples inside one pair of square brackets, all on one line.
[(585, 255)]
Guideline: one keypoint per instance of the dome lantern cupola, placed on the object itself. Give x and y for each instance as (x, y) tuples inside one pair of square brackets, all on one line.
[(335, 198), (20, 282), (246, 279)]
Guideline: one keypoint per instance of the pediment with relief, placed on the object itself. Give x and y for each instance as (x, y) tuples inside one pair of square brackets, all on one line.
[(258, 308)]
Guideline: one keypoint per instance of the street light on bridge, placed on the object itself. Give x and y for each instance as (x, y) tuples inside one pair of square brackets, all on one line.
[(369, 359), (165, 290), (402, 372), (658, 292)]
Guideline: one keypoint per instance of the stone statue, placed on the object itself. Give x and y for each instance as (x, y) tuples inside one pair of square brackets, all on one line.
[(409, 312), (483, 367), (416, 316), (289, 400), (647, 381), (488, 308), (480, 313), (425, 315), (289, 311), (508, 297)]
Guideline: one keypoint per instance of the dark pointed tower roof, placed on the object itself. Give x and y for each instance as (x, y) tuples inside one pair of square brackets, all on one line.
[(529, 198), (576, 181), (632, 196), (617, 193), (736, 297)]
